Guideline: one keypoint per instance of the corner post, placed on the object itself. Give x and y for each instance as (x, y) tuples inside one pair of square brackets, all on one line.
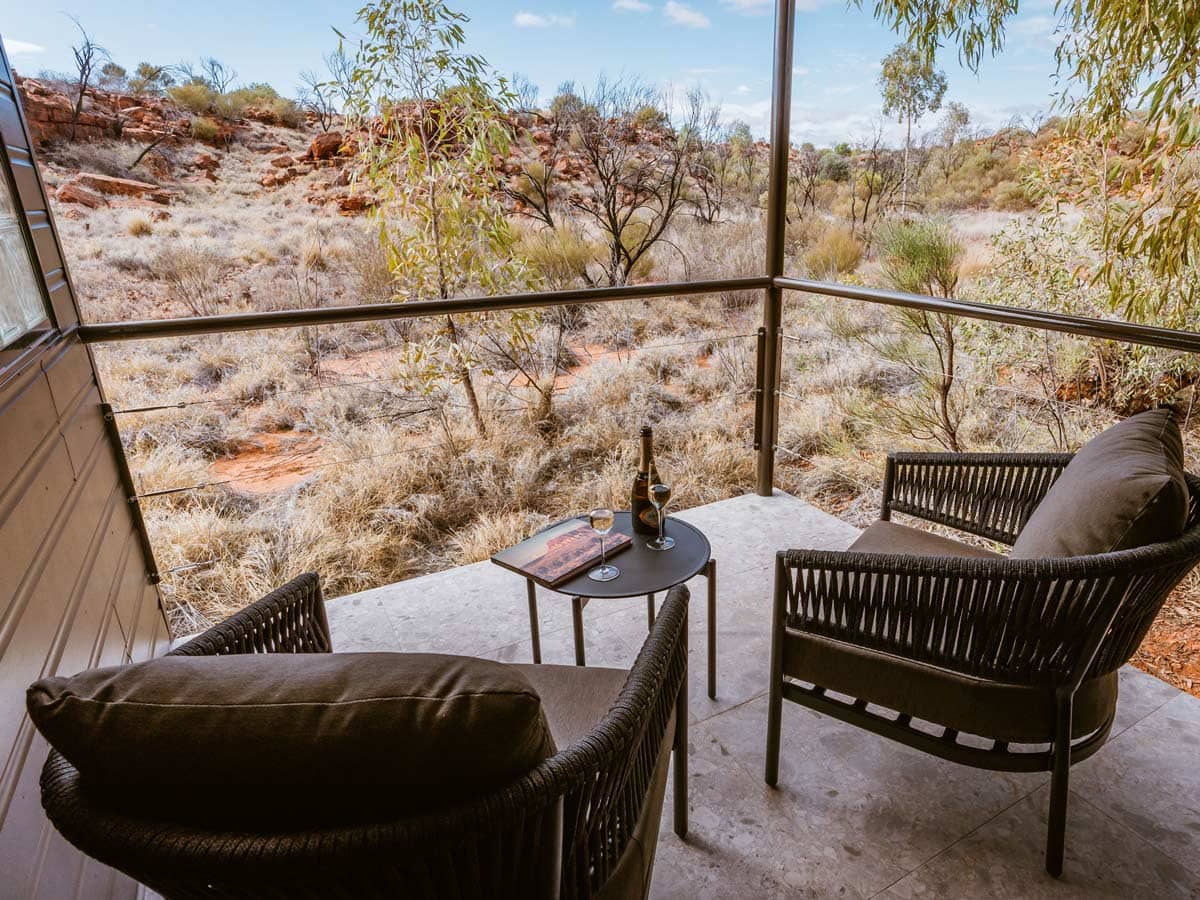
[(781, 106)]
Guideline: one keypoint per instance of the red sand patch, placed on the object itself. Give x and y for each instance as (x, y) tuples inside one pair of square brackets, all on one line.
[(370, 364), (270, 462)]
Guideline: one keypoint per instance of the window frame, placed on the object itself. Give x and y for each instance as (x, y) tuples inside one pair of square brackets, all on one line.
[(14, 353)]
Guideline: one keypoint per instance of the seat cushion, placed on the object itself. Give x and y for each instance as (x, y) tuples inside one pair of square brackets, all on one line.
[(888, 537), (326, 733), (1006, 712), (574, 698), (1125, 488)]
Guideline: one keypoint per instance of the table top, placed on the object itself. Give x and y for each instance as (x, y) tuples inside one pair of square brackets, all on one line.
[(645, 571)]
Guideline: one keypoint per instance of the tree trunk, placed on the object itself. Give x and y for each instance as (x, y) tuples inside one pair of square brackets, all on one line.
[(468, 385), (904, 183), (946, 385)]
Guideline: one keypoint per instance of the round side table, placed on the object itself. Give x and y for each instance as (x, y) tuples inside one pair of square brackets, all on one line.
[(643, 571)]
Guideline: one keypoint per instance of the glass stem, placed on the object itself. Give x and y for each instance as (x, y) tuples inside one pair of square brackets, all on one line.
[(603, 563), (660, 526)]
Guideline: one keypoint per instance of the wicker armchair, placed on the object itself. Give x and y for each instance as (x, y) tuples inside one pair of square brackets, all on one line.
[(565, 829), (1021, 652)]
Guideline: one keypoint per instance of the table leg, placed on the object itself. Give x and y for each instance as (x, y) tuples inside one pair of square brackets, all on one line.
[(577, 604), (649, 611), (531, 590), (712, 629)]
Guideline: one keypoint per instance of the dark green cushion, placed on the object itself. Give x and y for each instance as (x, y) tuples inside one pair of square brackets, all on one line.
[(317, 733), (1125, 488)]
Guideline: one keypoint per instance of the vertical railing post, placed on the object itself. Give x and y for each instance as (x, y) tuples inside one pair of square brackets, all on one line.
[(135, 507), (781, 142)]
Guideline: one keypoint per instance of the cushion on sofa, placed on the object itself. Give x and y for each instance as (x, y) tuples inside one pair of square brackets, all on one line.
[(316, 732), (1125, 488), (888, 537)]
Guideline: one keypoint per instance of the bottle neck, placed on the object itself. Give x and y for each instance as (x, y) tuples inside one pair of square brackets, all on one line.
[(647, 460)]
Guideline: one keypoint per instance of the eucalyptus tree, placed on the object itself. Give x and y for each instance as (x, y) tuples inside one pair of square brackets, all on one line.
[(1115, 57), (432, 123), (911, 87)]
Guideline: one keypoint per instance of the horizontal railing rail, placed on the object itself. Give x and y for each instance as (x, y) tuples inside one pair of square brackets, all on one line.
[(1083, 326), (413, 309)]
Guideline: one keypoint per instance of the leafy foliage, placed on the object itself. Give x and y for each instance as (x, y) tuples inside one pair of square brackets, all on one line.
[(1120, 56), (434, 124)]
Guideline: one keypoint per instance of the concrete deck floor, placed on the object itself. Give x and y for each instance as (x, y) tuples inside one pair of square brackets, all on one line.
[(855, 815)]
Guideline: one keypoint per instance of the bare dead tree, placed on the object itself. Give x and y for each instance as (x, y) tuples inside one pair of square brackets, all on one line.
[(804, 174), (525, 94), (219, 76), (636, 181), (876, 176), (535, 187), (341, 70), (317, 95), (712, 157), (88, 57)]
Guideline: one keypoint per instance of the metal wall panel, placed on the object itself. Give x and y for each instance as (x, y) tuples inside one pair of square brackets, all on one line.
[(74, 585)]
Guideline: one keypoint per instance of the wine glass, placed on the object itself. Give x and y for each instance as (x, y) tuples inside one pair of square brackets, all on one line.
[(660, 496), (601, 520)]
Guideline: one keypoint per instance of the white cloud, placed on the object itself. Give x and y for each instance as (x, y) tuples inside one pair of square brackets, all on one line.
[(682, 14), (742, 89), (525, 19), (636, 6), (22, 48)]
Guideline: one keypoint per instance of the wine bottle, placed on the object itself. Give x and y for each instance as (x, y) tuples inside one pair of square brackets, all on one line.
[(643, 514)]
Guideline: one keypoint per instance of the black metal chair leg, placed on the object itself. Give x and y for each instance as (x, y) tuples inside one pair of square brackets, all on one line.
[(535, 638), (1056, 832), (649, 611), (775, 703), (577, 604)]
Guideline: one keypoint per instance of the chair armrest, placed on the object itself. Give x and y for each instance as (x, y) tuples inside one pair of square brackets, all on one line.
[(290, 619), (988, 494), (1025, 621)]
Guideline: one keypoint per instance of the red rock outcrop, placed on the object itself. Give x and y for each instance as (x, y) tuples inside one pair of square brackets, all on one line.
[(105, 115), (325, 145), (74, 192), (123, 187)]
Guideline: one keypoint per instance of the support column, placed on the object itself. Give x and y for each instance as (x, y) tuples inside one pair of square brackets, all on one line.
[(781, 107)]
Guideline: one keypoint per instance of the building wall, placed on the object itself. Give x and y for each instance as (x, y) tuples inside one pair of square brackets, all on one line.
[(74, 588)]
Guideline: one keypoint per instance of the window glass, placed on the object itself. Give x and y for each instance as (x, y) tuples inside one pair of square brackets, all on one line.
[(22, 309)]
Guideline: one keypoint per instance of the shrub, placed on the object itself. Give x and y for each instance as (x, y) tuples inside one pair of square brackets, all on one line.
[(837, 252), (558, 256), (194, 97), (921, 256), (1010, 196), (261, 100), (139, 226), (833, 167), (650, 116), (205, 129), (192, 274)]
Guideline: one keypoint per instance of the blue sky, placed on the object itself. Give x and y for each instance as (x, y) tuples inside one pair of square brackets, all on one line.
[(723, 45)]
